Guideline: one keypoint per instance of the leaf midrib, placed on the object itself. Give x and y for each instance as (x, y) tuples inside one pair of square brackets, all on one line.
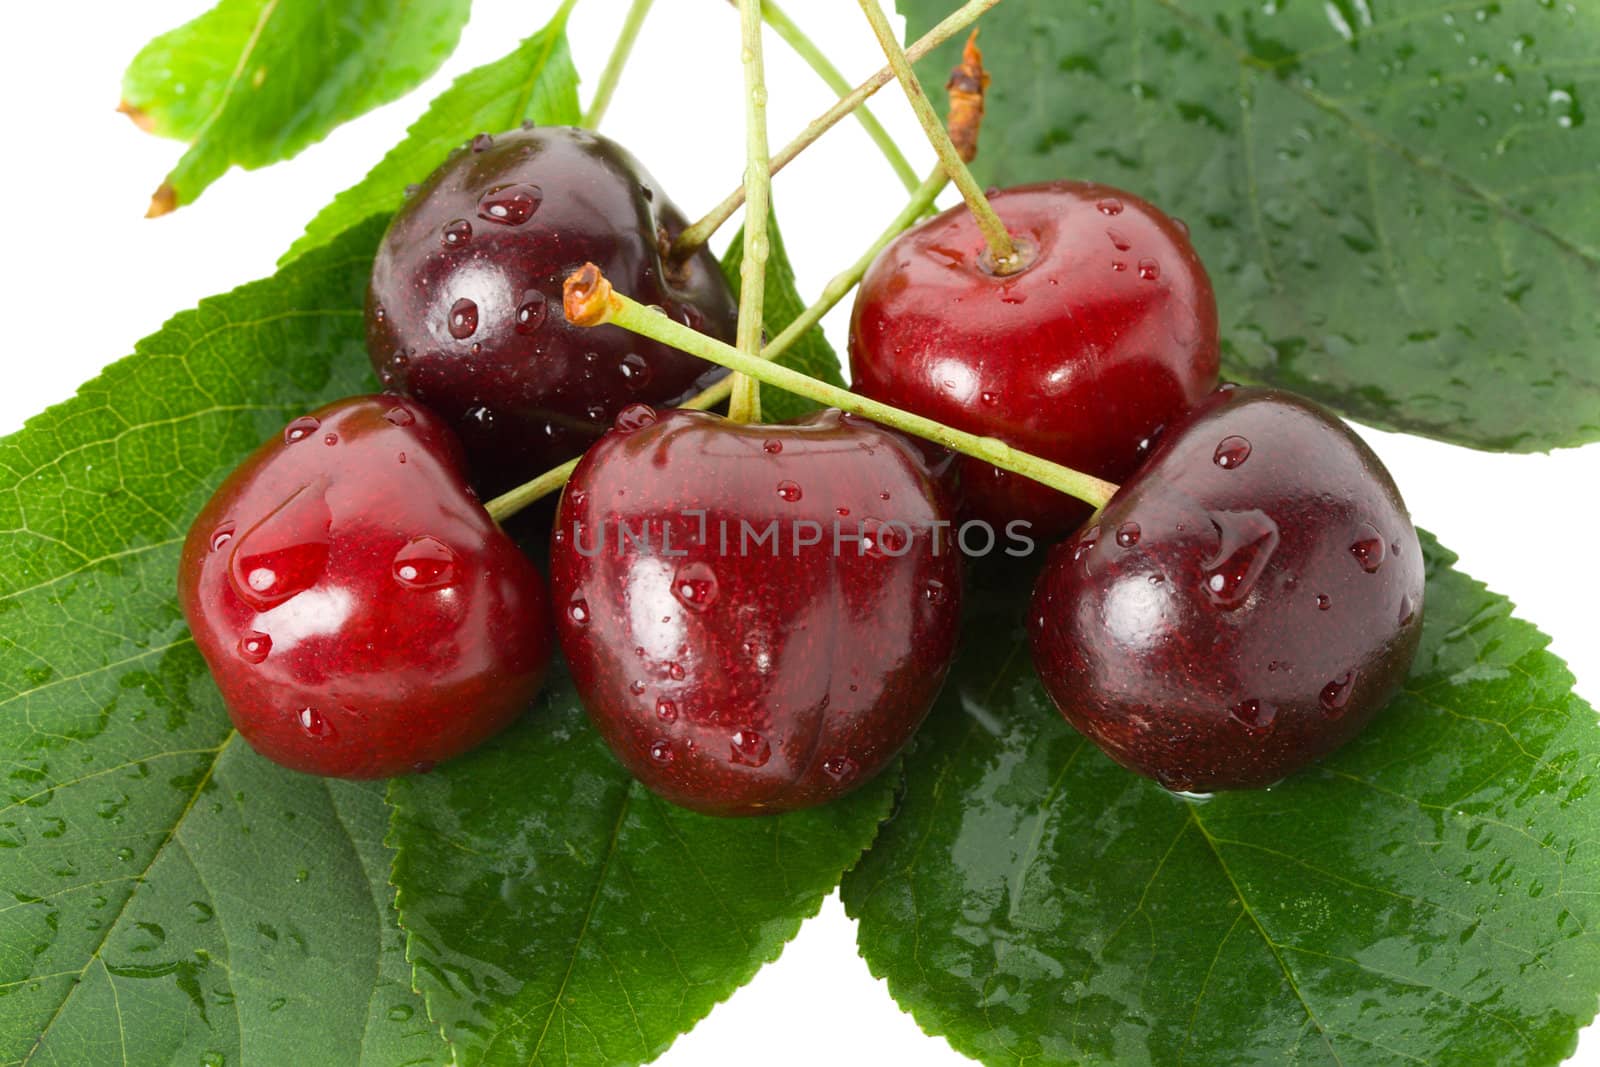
[(116, 920)]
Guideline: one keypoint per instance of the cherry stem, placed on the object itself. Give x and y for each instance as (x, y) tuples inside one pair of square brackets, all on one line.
[(589, 300), (819, 63), (509, 503), (700, 232), (1003, 254), (745, 403), (619, 59)]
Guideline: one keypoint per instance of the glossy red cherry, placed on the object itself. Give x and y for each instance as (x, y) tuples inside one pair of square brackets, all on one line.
[(1246, 603), (464, 310), (361, 613), (736, 657), (1108, 334)]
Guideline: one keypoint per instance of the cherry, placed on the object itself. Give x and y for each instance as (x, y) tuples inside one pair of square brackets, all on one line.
[(1244, 605), (736, 657), (361, 613), (464, 309), (1108, 334)]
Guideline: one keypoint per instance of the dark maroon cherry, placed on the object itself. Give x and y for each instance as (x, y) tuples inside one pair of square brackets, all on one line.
[(1246, 603), (464, 311), (1108, 334), (361, 613), (756, 617)]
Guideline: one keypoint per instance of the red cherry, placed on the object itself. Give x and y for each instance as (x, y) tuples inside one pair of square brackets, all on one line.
[(736, 657), (361, 613), (1269, 607), (464, 309), (1108, 334)]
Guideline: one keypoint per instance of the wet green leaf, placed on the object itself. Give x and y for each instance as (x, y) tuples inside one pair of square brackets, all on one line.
[(1428, 895), (783, 304), (1398, 202), (560, 913), (166, 896), (252, 82), (536, 82)]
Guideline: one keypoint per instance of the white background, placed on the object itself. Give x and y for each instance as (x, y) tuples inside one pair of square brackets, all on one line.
[(87, 276)]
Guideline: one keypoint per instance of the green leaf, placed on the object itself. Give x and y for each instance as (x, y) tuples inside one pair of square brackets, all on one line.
[(252, 82), (1397, 202), (165, 894), (559, 913), (535, 83), (783, 304), (1427, 895)]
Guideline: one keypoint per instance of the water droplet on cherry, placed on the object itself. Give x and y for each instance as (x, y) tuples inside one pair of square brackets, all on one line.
[(1118, 241), (314, 723), (578, 612), (424, 563), (254, 646), (1110, 206), (1231, 452), (399, 416), (463, 319), (1369, 550), (1128, 534), (840, 768), (1149, 270), (1336, 694), (482, 143), (285, 553), (456, 233), (789, 492), (1324, 602), (1256, 716), (636, 373), (222, 535), (301, 428), (1247, 542), (695, 585), (772, 447), (750, 748), (532, 310), (634, 417), (510, 205), (666, 710)]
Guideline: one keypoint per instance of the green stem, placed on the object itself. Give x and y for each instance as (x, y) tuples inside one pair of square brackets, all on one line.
[(803, 46), (504, 506), (1002, 251), (745, 404), (590, 301), (700, 232), (509, 503), (619, 59)]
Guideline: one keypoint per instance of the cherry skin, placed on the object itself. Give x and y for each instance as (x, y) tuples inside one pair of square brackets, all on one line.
[(361, 613), (464, 308), (1107, 335), (1243, 606), (736, 669)]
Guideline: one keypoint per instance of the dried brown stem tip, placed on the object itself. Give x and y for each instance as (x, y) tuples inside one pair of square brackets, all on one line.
[(163, 202), (138, 116), (968, 82), (587, 299)]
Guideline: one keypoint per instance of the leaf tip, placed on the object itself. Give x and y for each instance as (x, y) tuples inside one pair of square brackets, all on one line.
[(137, 115), (162, 202)]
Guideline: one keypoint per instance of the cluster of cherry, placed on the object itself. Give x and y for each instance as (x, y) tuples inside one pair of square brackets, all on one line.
[(758, 617)]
